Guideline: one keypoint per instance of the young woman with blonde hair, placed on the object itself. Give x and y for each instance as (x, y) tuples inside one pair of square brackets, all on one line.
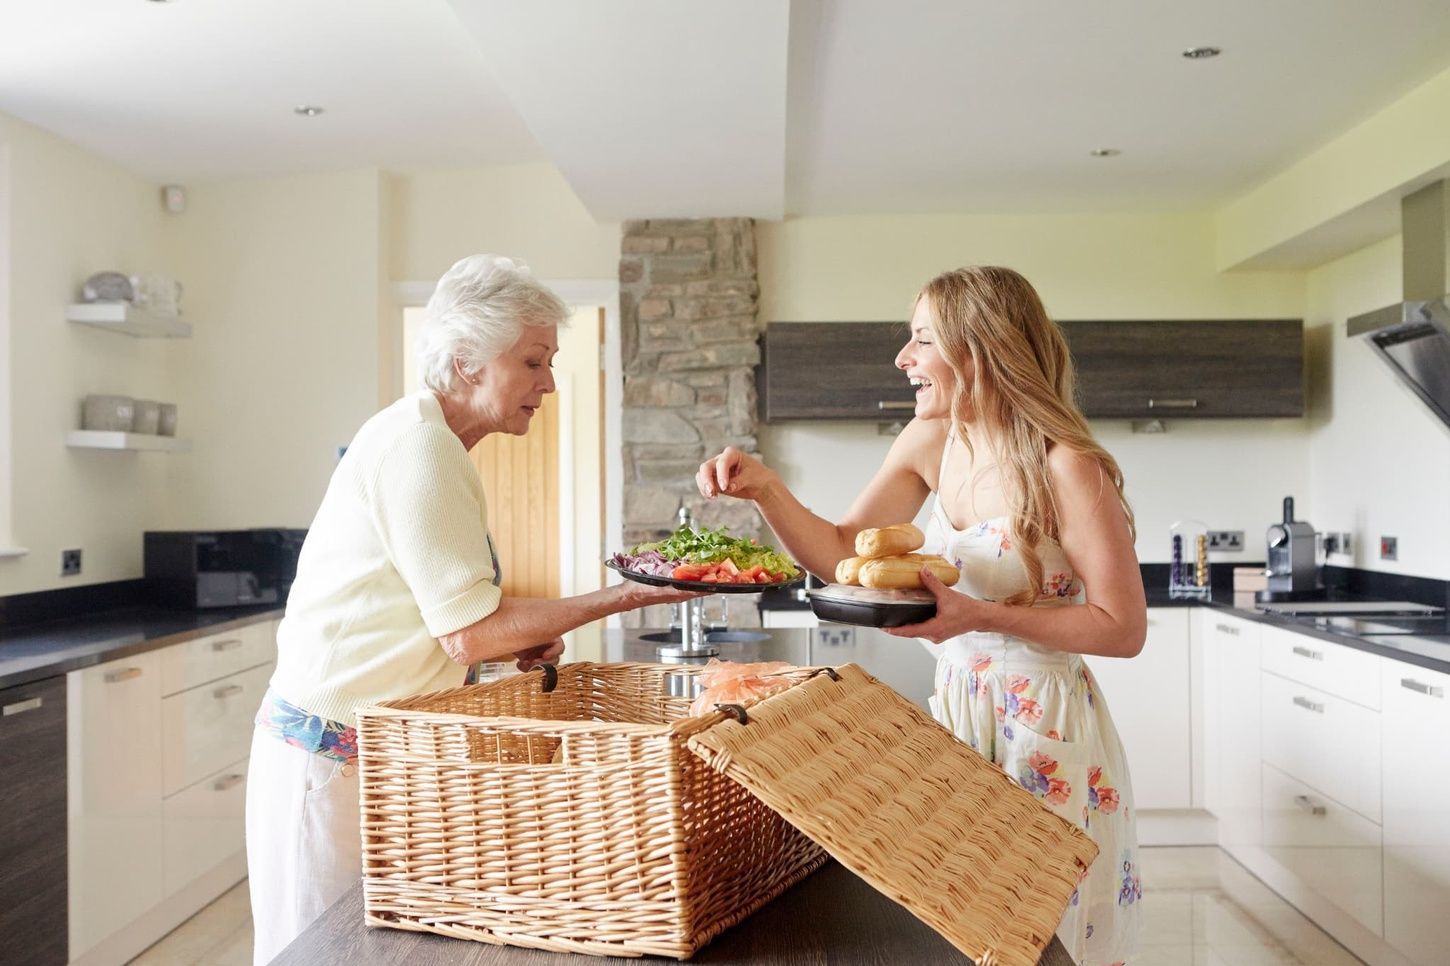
[(1031, 509)]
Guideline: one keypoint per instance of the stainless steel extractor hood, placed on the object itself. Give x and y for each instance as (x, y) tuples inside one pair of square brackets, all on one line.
[(1413, 336)]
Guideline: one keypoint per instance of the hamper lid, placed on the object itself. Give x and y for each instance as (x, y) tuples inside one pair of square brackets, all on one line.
[(919, 815)]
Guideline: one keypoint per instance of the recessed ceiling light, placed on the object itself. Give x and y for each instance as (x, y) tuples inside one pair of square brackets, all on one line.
[(1202, 53), (1105, 152), (307, 110)]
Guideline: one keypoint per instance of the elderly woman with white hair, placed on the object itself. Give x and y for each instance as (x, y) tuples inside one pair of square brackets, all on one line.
[(397, 586)]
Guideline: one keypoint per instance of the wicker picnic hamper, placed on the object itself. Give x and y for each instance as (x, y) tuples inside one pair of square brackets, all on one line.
[(597, 817)]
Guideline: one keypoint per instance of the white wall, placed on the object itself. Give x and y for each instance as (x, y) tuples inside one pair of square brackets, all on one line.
[(1379, 459), (282, 282), (70, 215), (526, 211), (1228, 474)]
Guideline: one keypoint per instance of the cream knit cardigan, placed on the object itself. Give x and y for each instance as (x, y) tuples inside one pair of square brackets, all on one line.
[(397, 556)]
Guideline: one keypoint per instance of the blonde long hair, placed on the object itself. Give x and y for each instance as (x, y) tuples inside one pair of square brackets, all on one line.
[(1021, 390)]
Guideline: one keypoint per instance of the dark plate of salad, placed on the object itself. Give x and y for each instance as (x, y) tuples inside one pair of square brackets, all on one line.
[(708, 560)]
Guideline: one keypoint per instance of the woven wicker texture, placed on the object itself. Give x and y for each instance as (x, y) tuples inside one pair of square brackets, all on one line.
[(572, 821), (909, 808)]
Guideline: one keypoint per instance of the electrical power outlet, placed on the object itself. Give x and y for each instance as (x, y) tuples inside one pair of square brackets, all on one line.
[(829, 636), (1225, 540), (1338, 541), (1389, 548), (70, 563)]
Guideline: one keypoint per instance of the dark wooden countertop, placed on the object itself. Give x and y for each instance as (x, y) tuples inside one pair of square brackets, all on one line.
[(831, 918)]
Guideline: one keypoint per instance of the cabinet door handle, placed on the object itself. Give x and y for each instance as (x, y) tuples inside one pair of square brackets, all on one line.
[(1420, 688), (230, 644), (225, 782), (1310, 654), (125, 674), (1232, 631), (20, 707), (1310, 805), (895, 404), (1172, 403), (1314, 706), (228, 691)]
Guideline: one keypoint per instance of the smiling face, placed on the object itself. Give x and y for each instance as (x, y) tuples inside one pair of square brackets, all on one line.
[(504, 395), (923, 364)]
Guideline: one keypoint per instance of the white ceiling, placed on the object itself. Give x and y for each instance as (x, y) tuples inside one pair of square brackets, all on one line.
[(197, 89), (747, 107)]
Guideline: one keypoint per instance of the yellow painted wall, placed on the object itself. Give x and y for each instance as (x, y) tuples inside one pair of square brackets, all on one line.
[(282, 276), (72, 214), (526, 211), (1085, 266), (1403, 145)]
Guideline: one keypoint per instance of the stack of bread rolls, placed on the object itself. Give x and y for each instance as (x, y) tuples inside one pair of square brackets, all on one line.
[(885, 560)]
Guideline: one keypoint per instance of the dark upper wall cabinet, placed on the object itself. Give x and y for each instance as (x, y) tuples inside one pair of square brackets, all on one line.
[(833, 370), (1126, 370), (1195, 369)]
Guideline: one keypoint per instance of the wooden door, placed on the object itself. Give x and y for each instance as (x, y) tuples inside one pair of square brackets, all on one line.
[(521, 482)]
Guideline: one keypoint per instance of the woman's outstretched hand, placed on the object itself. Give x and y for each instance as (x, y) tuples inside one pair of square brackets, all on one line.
[(734, 473), (956, 613)]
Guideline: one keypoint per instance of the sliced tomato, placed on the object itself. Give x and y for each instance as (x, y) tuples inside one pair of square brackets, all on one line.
[(727, 566), (763, 578), (709, 579), (688, 572), (753, 571)]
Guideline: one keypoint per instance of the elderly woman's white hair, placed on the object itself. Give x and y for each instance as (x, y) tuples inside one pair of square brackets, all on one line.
[(478, 311)]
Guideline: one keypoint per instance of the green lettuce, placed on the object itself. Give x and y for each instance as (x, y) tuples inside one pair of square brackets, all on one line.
[(713, 546)]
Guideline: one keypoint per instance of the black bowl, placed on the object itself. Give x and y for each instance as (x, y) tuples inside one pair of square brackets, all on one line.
[(871, 608)]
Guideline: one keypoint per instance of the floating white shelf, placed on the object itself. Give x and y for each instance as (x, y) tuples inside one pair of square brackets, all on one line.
[(125, 318), (99, 439)]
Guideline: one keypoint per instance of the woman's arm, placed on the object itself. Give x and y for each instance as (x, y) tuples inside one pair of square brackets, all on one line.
[(894, 495), (520, 623), (1094, 535)]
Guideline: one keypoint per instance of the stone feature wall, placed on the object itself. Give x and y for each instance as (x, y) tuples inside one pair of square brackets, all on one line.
[(688, 296)]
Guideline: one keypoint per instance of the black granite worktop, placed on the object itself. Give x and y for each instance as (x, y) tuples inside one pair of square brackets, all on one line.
[(1430, 650), (44, 635)]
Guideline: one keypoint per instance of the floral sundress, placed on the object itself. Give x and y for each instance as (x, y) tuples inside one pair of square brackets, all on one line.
[(1039, 715)]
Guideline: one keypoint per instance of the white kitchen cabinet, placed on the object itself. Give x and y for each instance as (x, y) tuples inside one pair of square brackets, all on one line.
[(1232, 730), (113, 735), (1330, 848), (156, 822), (1344, 671), (1330, 744), (216, 656), (1149, 697), (779, 617), (204, 825), (1415, 728), (209, 723)]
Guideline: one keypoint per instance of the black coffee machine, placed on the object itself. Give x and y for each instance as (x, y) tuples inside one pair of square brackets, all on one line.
[(221, 568), (1293, 571)]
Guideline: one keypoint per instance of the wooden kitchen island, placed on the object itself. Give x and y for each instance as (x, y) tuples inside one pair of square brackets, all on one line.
[(831, 917)]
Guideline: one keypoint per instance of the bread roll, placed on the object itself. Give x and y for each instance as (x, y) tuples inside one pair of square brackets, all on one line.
[(903, 571), (896, 539), (848, 571)]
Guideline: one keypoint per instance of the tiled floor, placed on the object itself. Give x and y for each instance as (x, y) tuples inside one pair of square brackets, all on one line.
[(1200, 909)]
